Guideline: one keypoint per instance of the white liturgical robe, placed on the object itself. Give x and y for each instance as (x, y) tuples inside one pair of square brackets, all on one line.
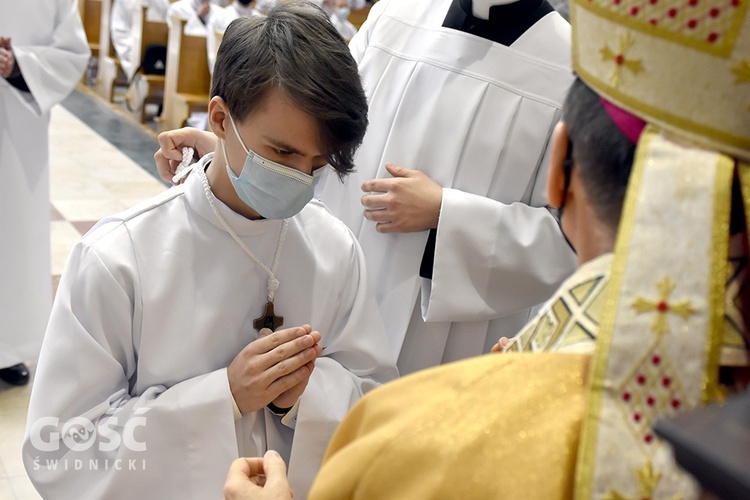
[(122, 28), (121, 32), (152, 307), (51, 50), (476, 116)]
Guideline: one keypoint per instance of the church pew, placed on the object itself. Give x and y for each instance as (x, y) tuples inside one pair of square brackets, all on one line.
[(357, 17), (91, 15), (188, 82)]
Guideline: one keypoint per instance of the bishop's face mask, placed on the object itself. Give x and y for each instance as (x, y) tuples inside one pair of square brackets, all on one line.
[(271, 189)]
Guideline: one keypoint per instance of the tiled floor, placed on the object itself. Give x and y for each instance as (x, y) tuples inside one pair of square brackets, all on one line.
[(91, 177)]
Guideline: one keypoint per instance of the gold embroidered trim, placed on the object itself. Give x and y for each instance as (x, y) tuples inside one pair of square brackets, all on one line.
[(587, 447), (740, 142), (662, 306), (722, 48), (719, 268), (620, 60)]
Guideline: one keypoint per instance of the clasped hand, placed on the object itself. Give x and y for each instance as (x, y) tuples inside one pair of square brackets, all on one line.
[(274, 368), (7, 60)]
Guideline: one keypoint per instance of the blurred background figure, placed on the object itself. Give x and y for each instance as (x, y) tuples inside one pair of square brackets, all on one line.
[(42, 57)]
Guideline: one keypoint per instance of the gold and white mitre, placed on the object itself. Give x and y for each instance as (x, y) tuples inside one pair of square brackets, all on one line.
[(684, 67)]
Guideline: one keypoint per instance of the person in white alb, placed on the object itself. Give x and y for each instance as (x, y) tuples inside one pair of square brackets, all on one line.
[(160, 347), (338, 12), (122, 23), (466, 96), (42, 57), (121, 32), (197, 14)]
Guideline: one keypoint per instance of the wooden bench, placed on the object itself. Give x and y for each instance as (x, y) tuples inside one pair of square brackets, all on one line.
[(357, 17), (91, 16), (188, 83)]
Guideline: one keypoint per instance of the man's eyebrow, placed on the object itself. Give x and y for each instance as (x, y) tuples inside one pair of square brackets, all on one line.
[(284, 146)]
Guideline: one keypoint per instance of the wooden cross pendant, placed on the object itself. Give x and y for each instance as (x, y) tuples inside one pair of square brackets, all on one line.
[(269, 319)]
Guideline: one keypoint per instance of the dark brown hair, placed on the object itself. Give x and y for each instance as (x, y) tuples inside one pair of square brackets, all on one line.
[(296, 49)]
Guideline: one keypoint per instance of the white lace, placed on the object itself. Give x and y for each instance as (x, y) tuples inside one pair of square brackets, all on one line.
[(273, 283)]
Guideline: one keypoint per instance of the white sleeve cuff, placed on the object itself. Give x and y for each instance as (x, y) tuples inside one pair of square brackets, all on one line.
[(236, 410)]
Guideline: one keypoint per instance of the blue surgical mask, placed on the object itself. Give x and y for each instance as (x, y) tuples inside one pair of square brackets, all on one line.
[(273, 190), (343, 13)]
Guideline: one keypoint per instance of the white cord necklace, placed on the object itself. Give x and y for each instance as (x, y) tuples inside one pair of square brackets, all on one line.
[(269, 319)]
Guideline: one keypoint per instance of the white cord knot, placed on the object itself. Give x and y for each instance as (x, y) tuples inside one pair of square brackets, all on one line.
[(273, 284)]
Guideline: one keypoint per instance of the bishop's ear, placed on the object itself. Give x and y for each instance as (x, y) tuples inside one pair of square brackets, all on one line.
[(556, 177), (218, 116)]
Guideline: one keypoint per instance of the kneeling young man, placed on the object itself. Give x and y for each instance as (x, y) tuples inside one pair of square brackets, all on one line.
[(159, 365)]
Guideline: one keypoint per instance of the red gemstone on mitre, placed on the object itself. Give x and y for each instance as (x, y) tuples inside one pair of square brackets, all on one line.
[(693, 2), (637, 417), (656, 359), (641, 379), (735, 3), (662, 306), (666, 381), (634, 11), (619, 59), (675, 403), (714, 12), (672, 12), (626, 396), (692, 23), (713, 36), (652, 21), (650, 401), (648, 438)]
